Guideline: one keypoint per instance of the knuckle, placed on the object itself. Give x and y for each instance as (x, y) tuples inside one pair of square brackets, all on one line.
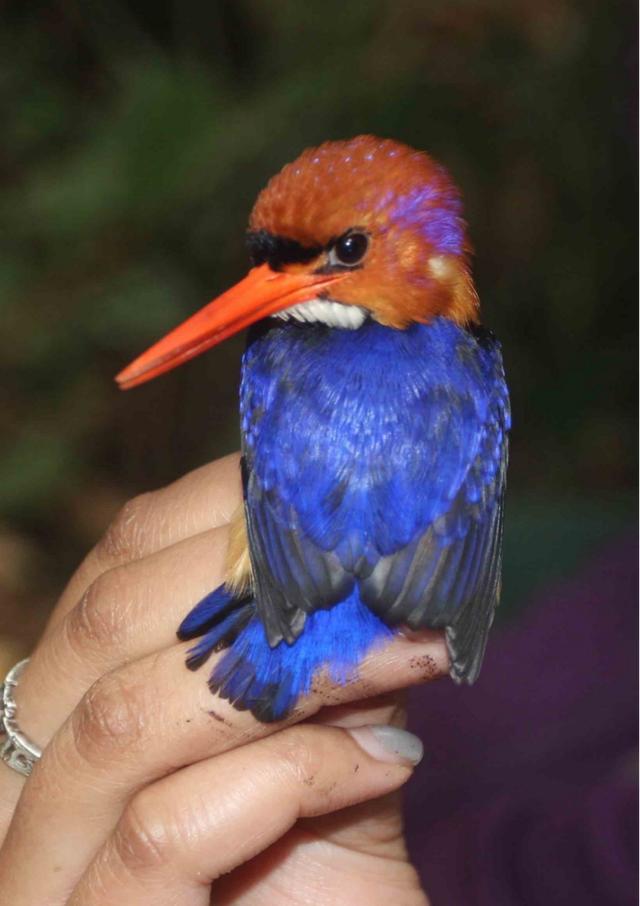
[(124, 538), (141, 838), (109, 719), (96, 619)]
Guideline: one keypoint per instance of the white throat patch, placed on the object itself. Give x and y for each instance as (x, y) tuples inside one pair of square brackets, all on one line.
[(333, 314)]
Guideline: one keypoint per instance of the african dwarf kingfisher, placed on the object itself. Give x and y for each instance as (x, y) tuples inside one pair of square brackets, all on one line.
[(374, 421)]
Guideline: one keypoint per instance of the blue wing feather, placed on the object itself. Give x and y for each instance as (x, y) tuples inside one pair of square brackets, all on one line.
[(376, 459)]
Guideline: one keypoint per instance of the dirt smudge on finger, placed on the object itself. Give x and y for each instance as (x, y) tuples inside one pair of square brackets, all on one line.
[(425, 665), (220, 718)]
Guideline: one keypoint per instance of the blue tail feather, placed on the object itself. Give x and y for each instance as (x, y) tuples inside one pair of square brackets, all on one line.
[(220, 635), (268, 681), (212, 609)]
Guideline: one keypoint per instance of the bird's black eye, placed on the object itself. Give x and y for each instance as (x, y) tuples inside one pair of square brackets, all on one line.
[(350, 249)]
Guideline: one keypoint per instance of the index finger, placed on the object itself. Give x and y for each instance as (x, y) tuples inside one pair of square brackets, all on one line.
[(203, 499)]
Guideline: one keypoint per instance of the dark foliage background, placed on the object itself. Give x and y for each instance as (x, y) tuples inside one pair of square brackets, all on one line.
[(135, 137)]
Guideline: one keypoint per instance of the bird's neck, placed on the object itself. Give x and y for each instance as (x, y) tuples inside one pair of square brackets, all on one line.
[(374, 365)]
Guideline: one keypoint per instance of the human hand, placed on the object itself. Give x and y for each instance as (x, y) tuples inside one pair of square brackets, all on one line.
[(150, 789)]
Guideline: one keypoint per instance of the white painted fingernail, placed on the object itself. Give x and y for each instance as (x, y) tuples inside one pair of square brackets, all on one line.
[(390, 744)]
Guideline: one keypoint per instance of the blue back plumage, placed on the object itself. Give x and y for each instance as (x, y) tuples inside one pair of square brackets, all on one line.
[(374, 471), (369, 435)]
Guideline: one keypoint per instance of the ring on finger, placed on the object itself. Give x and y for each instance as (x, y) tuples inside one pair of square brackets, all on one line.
[(16, 750)]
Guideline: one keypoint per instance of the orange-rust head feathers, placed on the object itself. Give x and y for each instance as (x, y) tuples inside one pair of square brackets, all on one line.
[(386, 215), (350, 229)]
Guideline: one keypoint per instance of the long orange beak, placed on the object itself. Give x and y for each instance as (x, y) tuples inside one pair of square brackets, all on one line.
[(263, 292)]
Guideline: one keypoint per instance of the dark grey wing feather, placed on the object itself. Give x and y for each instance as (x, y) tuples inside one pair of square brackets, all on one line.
[(292, 576), (442, 580)]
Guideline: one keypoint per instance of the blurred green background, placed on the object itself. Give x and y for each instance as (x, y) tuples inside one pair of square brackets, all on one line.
[(135, 138)]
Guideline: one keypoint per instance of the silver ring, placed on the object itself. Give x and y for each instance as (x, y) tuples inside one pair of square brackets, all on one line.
[(16, 750)]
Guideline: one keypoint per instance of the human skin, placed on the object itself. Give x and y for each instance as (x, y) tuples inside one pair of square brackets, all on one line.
[(150, 790)]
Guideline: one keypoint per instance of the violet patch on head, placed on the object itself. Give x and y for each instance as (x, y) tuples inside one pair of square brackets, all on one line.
[(436, 215)]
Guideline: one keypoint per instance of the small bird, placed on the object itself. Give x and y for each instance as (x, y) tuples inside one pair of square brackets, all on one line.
[(374, 421)]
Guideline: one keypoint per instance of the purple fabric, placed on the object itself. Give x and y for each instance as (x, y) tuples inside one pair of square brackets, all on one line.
[(527, 795)]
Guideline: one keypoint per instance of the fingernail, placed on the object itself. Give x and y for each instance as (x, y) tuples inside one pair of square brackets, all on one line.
[(390, 744)]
